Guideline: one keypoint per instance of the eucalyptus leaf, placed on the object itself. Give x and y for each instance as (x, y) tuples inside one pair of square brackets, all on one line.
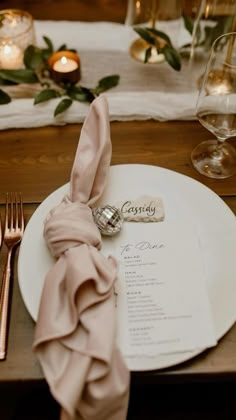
[(211, 33), (33, 57), (62, 47), (81, 94), (148, 54), (19, 76), (63, 106), (159, 34), (49, 44), (172, 57), (106, 83), (144, 34), (46, 54), (188, 45), (7, 82), (2, 17), (45, 95), (4, 98), (188, 24), (207, 35)]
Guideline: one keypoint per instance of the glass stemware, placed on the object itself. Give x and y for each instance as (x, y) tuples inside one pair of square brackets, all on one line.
[(212, 18), (216, 110)]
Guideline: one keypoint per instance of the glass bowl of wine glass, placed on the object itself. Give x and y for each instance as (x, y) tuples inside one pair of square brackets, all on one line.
[(216, 110)]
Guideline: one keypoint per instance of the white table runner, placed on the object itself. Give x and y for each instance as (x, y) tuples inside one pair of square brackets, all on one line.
[(144, 92)]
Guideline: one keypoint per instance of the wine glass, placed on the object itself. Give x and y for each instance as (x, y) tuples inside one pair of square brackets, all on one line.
[(216, 110), (210, 19), (213, 18)]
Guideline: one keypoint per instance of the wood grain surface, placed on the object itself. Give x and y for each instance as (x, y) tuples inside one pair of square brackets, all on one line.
[(39, 160)]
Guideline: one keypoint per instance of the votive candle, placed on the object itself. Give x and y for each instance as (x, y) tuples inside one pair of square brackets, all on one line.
[(64, 67), (11, 56), (16, 34)]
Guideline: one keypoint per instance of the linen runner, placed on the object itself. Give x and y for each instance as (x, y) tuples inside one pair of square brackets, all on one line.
[(75, 336), (145, 91)]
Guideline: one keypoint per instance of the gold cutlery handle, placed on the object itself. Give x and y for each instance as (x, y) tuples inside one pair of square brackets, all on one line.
[(4, 305)]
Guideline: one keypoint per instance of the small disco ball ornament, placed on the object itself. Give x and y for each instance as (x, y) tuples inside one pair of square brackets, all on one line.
[(108, 219)]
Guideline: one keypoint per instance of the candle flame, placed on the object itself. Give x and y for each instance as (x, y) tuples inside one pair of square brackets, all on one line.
[(7, 49), (63, 60)]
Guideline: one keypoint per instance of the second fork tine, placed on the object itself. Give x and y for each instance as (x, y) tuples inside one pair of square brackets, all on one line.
[(21, 213)]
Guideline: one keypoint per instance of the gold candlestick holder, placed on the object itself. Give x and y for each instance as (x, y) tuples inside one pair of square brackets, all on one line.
[(147, 11)]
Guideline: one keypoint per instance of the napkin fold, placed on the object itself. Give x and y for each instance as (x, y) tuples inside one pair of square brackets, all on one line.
[(75, 336)]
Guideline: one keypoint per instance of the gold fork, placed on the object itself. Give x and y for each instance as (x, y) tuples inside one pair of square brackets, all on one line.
[(13, 233)]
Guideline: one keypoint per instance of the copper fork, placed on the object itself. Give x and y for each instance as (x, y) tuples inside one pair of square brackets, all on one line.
[(0, 232), (13, 233)]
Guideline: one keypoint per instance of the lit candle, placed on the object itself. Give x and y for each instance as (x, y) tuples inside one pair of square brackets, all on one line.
[(64, 67), (138, 51), (155, 57), (219, 82), (11, 56)]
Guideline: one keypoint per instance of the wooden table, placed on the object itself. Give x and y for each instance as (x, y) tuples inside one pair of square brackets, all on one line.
[(37, 161)]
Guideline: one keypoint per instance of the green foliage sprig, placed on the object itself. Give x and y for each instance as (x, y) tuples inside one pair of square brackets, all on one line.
[(205, 36), (37, 71), (2, 17), (155, 38)]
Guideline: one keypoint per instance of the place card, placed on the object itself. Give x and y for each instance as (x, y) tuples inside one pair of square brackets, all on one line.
[(162, 300), (142, 209)]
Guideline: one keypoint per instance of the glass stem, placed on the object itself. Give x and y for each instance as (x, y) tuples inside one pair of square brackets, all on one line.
[(218, 149)]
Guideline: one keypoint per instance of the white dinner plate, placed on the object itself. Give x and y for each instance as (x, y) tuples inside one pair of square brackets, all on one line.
[(184, 200)]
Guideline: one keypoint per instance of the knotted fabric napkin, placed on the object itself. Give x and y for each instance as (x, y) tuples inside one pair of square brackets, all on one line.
[(75, 337)]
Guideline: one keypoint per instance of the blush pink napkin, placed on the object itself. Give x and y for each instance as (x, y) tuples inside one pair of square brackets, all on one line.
[(75, 337)]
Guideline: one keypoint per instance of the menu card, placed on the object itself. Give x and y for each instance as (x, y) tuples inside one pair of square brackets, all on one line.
[(162, 300)]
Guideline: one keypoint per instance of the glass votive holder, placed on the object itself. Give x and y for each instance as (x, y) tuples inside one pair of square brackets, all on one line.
[(64, 67), (16, 34)]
